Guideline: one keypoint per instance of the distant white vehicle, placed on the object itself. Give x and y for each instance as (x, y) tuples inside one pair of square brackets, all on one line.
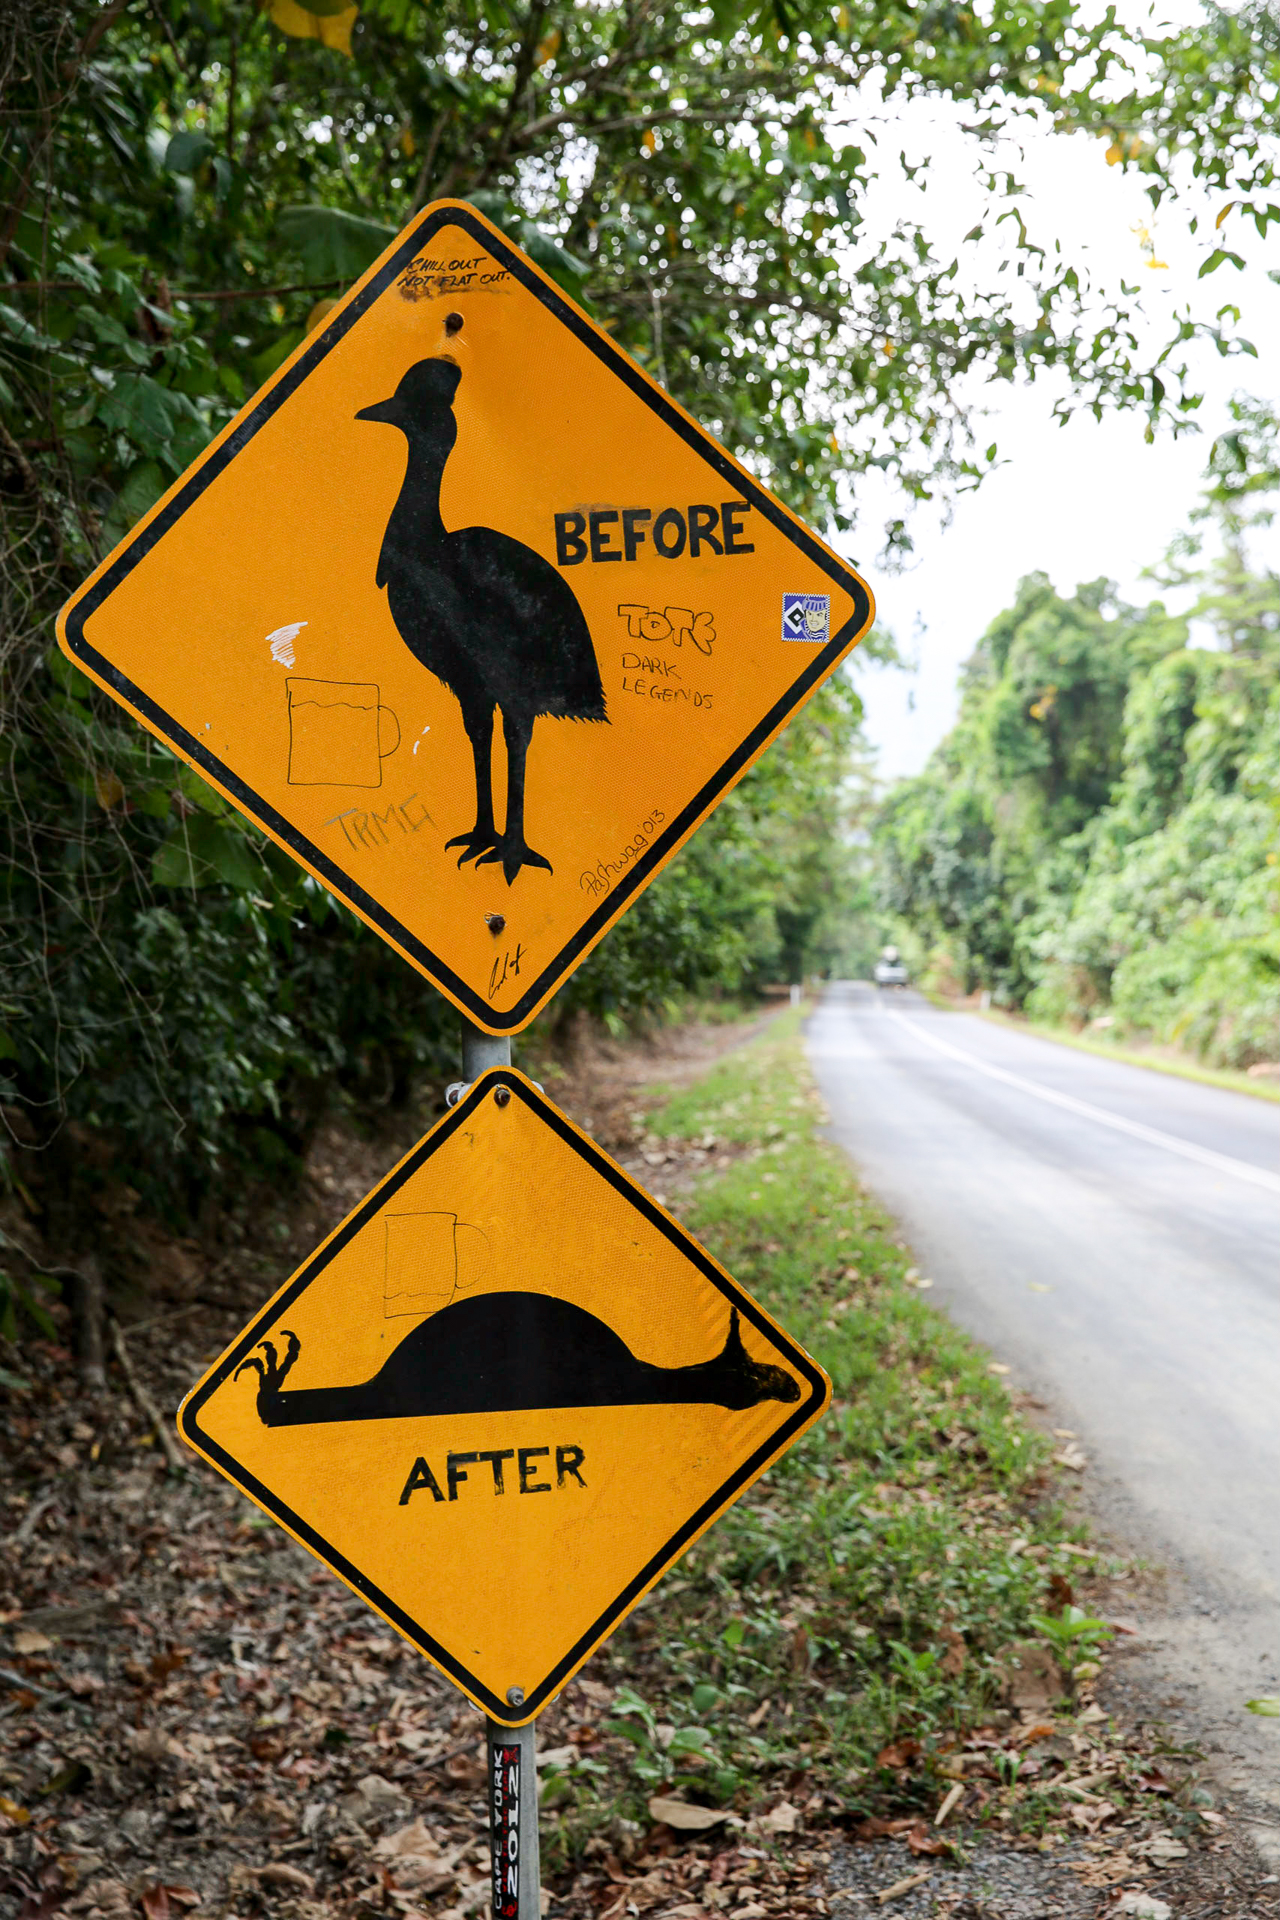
[(889, 970)]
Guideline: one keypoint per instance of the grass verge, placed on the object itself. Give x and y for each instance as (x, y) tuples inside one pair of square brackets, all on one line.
[(843, 1631)]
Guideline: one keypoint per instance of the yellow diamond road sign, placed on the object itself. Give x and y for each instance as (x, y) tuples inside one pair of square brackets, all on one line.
[(504, 1396), (469, 616)]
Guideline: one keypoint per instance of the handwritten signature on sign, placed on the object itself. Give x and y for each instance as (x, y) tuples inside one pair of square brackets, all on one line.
[(507, 968), (599, 878), (366, 827)]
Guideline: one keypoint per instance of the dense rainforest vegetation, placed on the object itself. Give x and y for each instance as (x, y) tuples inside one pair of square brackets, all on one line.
[(183, 187), (1097, 837)]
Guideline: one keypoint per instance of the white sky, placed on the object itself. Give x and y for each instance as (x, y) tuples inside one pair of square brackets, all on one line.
[(1074, 502)]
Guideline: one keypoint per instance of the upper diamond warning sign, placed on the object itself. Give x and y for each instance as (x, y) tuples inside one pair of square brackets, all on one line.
[(469, 616)]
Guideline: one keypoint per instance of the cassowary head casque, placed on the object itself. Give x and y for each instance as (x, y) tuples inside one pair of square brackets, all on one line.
[(424, 395)]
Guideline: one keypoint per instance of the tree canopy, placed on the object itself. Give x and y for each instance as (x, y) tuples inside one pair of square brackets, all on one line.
[(1096, 838), (182, 187)]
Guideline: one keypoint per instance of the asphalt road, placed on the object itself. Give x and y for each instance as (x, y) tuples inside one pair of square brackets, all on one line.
[(1113, 1235)]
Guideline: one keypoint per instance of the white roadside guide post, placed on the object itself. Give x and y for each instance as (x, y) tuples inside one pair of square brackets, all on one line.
[(511, 1776)]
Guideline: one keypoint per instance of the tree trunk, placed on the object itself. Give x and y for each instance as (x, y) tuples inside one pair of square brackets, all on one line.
[(86, 1297)]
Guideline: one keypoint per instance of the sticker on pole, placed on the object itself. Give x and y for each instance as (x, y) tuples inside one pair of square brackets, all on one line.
[(468, 615), (504, 1396)]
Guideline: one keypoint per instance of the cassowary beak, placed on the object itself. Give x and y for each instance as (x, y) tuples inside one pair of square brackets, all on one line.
[(384, 411)]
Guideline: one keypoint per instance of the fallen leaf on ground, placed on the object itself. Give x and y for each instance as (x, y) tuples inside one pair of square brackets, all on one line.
[(1106, 1870), (28, 1640), (900, 1753), (784, 1818), (1038, 1730), (689, 1819), (1143, 1906), (952, 1795), (417, 1860), (1060, 1593), (1161, 1849), (952, 1661), (899, 1887), (920, 1840), (278, 1873), (153, 1745), (878, 1828), (1031, 1678), (1092, 1816)]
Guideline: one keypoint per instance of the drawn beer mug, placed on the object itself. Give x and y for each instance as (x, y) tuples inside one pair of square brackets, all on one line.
[(430, 1259), (336, 733)]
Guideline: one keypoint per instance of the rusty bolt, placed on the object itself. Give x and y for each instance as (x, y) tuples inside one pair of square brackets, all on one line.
[(502, 1095), (453, 323), (495, 922)]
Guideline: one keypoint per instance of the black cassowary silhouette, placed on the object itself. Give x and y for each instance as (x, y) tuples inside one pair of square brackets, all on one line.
[(485, 614), (512, 1353)]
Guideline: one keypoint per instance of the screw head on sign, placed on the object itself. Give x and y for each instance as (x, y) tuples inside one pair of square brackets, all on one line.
[(515, 1695), (502, 1095), (495, 922), (453, 323)]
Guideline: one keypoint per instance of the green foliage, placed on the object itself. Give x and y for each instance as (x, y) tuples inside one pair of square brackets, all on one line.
[(335, 246), (963, 849), (178, 184), (1098, 833), (20, 1301), (1073, 1634)]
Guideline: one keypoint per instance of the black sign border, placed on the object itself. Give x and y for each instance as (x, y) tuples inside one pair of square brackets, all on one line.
[(536, 1697), (339, 882)]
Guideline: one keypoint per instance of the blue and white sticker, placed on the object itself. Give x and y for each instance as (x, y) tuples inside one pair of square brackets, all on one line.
[(806, 616)]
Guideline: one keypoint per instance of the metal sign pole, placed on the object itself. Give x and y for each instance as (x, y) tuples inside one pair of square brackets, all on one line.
[(516, 1889), (516, 1880), (482, 1050)]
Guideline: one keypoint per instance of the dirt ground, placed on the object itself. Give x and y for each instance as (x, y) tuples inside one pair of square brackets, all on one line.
[(195, 1717)]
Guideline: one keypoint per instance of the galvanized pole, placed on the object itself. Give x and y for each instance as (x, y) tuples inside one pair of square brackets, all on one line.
[(515, 1880), (481, 1051)]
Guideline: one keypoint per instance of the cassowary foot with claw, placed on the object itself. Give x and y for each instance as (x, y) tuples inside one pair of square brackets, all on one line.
[(272, 1372), (481, 841), (514, 852)]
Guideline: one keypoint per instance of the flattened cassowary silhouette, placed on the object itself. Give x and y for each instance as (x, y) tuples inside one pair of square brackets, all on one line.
[(512, 1353), (485, 614)]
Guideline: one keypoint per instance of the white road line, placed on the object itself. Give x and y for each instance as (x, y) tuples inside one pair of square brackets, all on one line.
[(1221, 1162)]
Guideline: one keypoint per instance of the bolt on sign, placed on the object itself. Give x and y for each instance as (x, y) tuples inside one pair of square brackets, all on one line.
[(504, 1396), (469, 616)]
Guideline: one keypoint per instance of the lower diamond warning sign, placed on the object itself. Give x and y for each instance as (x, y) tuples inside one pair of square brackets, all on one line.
[(504, 1396)]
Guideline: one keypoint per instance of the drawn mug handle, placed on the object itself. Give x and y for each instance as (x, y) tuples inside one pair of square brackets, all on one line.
[(384, 751)]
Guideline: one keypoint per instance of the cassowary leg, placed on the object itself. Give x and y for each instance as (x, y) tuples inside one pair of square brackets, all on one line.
[(482, 837), (512, 848)]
